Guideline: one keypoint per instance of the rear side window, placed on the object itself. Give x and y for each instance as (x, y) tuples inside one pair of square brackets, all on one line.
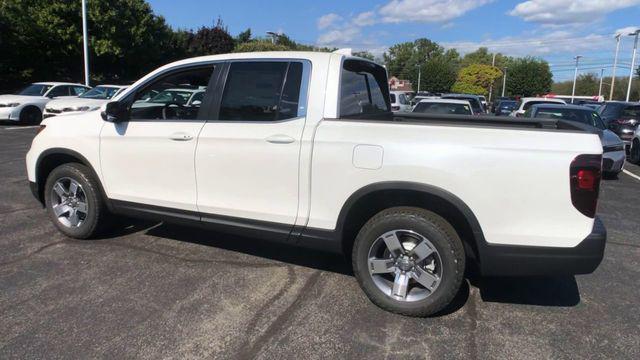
[(261, 91), (363, 89), (631, 112), (531, 103), (61, 90)]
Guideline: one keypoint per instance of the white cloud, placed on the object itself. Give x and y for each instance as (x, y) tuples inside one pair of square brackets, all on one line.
[(365, 19), (627, 30), (328, 20), (399, 11), (563, 12), (342, 36)]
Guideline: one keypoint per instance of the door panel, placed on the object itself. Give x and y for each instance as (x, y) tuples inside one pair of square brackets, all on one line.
[(247, 162), (151, 162)]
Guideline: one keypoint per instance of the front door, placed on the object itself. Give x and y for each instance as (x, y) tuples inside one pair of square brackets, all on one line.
[(150, 158)]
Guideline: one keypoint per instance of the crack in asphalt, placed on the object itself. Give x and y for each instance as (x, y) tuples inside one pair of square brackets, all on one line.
[(17, 210), (37, 251), (623, 244), (251, 351)]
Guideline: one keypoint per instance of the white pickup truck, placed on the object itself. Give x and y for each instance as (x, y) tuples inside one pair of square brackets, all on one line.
[(303, 148)]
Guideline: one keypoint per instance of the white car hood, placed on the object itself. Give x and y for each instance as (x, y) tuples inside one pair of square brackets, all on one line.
[(75, 102), (20, 99)]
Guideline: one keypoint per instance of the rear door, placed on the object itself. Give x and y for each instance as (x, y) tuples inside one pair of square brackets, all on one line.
[(248, 151)]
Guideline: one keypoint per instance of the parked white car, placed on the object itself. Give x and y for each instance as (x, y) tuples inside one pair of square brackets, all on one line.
[(444, 107), (634, 151), (525, 103), (27, 105), (89, 101), (316, 158), (399, 101)]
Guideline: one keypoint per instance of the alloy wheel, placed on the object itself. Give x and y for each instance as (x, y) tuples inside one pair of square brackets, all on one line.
[(69, 202)]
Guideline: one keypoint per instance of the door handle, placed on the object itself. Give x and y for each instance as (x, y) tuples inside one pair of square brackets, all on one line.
[(180, 136), (280, 139)]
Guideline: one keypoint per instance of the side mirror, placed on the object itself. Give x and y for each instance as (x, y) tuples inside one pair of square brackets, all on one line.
[(114, 112), (196, 103)]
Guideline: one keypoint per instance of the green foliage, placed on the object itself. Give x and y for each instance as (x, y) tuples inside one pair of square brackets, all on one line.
[(209, 41), (528, 77), (244, 36), (476, 79), (44, 40), (260, 45), (438, 67), (588, 84)]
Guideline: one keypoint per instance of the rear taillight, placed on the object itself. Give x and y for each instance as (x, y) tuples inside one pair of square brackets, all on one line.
[(585, 174)]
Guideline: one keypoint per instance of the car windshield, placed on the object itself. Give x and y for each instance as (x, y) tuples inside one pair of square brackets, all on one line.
[(475, 103), (443, 108), (631, 112), (100, 92), (172, 96), (35, 90), (507, 105), (585, 116)]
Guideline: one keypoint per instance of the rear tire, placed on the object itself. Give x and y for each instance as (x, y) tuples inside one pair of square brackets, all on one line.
[(74, 202), (30, 115), (634, 155), (405, 280)]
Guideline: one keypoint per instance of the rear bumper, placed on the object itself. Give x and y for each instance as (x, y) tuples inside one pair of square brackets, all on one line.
[(613, 162), (504, 260)]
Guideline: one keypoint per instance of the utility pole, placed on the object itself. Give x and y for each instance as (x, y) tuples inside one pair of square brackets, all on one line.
[(493, 64), (615, 63), (419, 76), (504, 81), (600, 88), (273, 36), (633, 61), (575, 77), (85, 40)]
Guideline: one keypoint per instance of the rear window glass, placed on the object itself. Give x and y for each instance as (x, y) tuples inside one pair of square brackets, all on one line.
[(393, 98), (631, 112), (363, 89), (531, 103), (582, 116), (442, 108)]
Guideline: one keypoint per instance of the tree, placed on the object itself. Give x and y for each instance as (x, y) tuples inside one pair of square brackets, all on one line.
[(45, 40), (209, 41), (259, 45), (437, 66), (528, 77), (476, 79), (364, 54), (244, 36)]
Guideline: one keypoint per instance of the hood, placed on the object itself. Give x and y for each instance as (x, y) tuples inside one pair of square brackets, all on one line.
[(20, 98), (61, 104), (609, 138)]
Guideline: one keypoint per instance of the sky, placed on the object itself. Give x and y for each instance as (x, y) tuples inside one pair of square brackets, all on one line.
[(555, 30)]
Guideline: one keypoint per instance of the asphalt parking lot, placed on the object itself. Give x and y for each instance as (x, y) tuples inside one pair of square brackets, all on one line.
[(152, 290)]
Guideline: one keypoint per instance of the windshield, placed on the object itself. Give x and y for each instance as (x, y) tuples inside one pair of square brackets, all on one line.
[(172, 96), (585, 116), (100, 92), (35, 90), (507, 105), (475, 103), (442, 108)]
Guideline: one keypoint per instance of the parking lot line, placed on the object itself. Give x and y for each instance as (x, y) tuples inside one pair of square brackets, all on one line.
[(20, 127), (631, 174)]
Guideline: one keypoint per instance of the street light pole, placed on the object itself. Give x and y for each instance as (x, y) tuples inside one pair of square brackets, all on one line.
[(575, 77), (504, 81), (85, 40), (633, 61), (600, 88), (615, 63), (493, 64), (419, 76)]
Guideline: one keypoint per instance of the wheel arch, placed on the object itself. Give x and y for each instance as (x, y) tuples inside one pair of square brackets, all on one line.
[(54, 157), (373, 198)]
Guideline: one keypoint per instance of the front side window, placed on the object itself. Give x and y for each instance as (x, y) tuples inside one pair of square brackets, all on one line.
[(363, 89), (167, 98), (261, 91), (59, 91), (78, 90)]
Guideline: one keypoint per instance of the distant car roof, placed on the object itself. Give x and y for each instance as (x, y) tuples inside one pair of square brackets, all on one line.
[(622, 102), (560, 106), (113, 86), (526, 99), (461, 96), (446, 101), (53, 83)]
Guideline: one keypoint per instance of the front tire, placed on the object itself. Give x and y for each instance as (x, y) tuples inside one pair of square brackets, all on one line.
[(30, 115), (74, 202), (634, 155), (409, 261)]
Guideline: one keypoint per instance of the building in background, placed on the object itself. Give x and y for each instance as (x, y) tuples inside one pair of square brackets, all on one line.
[(396, 84)]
